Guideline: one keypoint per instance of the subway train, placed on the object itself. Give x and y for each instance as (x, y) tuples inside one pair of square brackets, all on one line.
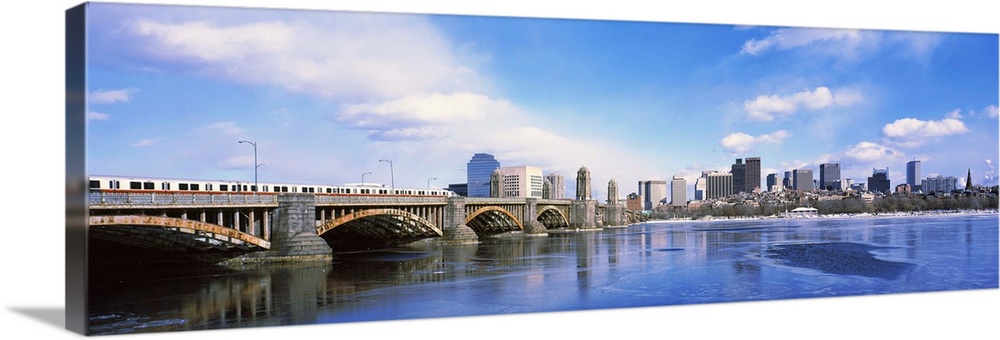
[(147, 184)]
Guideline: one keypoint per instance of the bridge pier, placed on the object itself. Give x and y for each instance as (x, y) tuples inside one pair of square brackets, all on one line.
[(531, 226), (454, 227), (583, 214), (614, 215), (293, 233)]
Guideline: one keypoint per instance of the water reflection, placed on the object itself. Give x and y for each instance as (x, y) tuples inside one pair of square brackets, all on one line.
[(642, 265)]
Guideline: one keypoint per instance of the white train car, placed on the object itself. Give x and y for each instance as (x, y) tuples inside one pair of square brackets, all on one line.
[(146, 184)]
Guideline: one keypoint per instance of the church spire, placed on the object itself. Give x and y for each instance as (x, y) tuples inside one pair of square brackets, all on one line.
[(968, 181)]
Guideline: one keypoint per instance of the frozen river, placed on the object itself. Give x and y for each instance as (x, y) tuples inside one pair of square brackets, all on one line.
[(650, 264)]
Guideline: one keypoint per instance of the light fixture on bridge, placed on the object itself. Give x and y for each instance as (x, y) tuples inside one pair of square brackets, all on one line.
[(255, 165), (392, 177), (363, 177), (429, 181)]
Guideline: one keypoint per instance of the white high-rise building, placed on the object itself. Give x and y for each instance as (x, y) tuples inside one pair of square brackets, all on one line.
[(678, 191), (521, 181)]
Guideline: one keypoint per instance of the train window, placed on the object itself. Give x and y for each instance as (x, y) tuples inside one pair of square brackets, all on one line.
[(208, 186), (253, 188), (195, 186), (115, 185), (134, 185), (148, 185), (182, 186), (165, 186), (223, 187), (95, 184), (328, 190), (264, 187), (284, 189)]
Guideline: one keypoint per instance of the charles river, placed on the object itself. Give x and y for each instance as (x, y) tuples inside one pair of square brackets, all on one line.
[(649, 264)]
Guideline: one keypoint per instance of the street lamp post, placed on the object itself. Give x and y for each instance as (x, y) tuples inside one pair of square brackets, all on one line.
[(429, 182), (255, 165), (392, 177), (363, 177)]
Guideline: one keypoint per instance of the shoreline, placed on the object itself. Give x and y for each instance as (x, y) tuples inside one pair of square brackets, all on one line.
[(836, 216)]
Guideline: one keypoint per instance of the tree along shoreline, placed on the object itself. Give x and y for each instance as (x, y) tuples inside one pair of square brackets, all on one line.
[(848, 206)]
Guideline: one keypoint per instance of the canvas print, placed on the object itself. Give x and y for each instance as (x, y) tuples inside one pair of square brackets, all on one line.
[(250, 167)]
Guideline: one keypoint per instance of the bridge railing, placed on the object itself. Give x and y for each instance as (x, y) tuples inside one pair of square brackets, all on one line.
[(101, 198), (377, 200)]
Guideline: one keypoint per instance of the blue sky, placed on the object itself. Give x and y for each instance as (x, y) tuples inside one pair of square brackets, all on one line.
[(327, 94)]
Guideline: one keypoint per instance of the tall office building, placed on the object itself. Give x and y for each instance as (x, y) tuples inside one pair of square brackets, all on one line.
[(787, 180), (652, 192), (913, 175), (879, 181), (521, 181), (772, 182), (829, 174), (718, 185), (678, 191), (478, 172), (739, 171), (557, 186), (802, 179), (699, 188), (752, 175)]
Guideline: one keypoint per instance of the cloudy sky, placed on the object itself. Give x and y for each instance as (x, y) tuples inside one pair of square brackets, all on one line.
[(325, 95)]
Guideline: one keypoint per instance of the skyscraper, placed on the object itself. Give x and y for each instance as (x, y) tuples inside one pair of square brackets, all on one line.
[(521, 181), (913, 174), (678, 191), (739, 171), (802, 179), (652, 192), (699, 188), (879, 182), (829, 174), (557, 186), (752, 175), (772, 182), (718, 185), (787, 180), (479, 169)]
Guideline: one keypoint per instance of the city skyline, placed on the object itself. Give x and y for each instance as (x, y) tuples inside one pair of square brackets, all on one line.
[(165, 101)]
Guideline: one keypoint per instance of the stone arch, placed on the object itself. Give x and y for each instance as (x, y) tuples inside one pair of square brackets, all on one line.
[(552, 217), (382, 225), (492, 220), (172, 234)]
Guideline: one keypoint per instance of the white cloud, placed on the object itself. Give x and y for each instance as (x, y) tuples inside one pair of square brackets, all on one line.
[(954, 114), (144, 143), (789, 38), (766, 108), (412, 115), (991, 111), (867, 152), (111, 96), (912, 132), (358, 56), (91, 115), (740, 142), (845, 43)]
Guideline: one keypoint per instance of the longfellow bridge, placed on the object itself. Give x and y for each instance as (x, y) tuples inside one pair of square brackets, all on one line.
[(267, 227)]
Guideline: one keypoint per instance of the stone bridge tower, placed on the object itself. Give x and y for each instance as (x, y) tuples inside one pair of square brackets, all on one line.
[(495, 184), (583, 184), (612, 192)]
